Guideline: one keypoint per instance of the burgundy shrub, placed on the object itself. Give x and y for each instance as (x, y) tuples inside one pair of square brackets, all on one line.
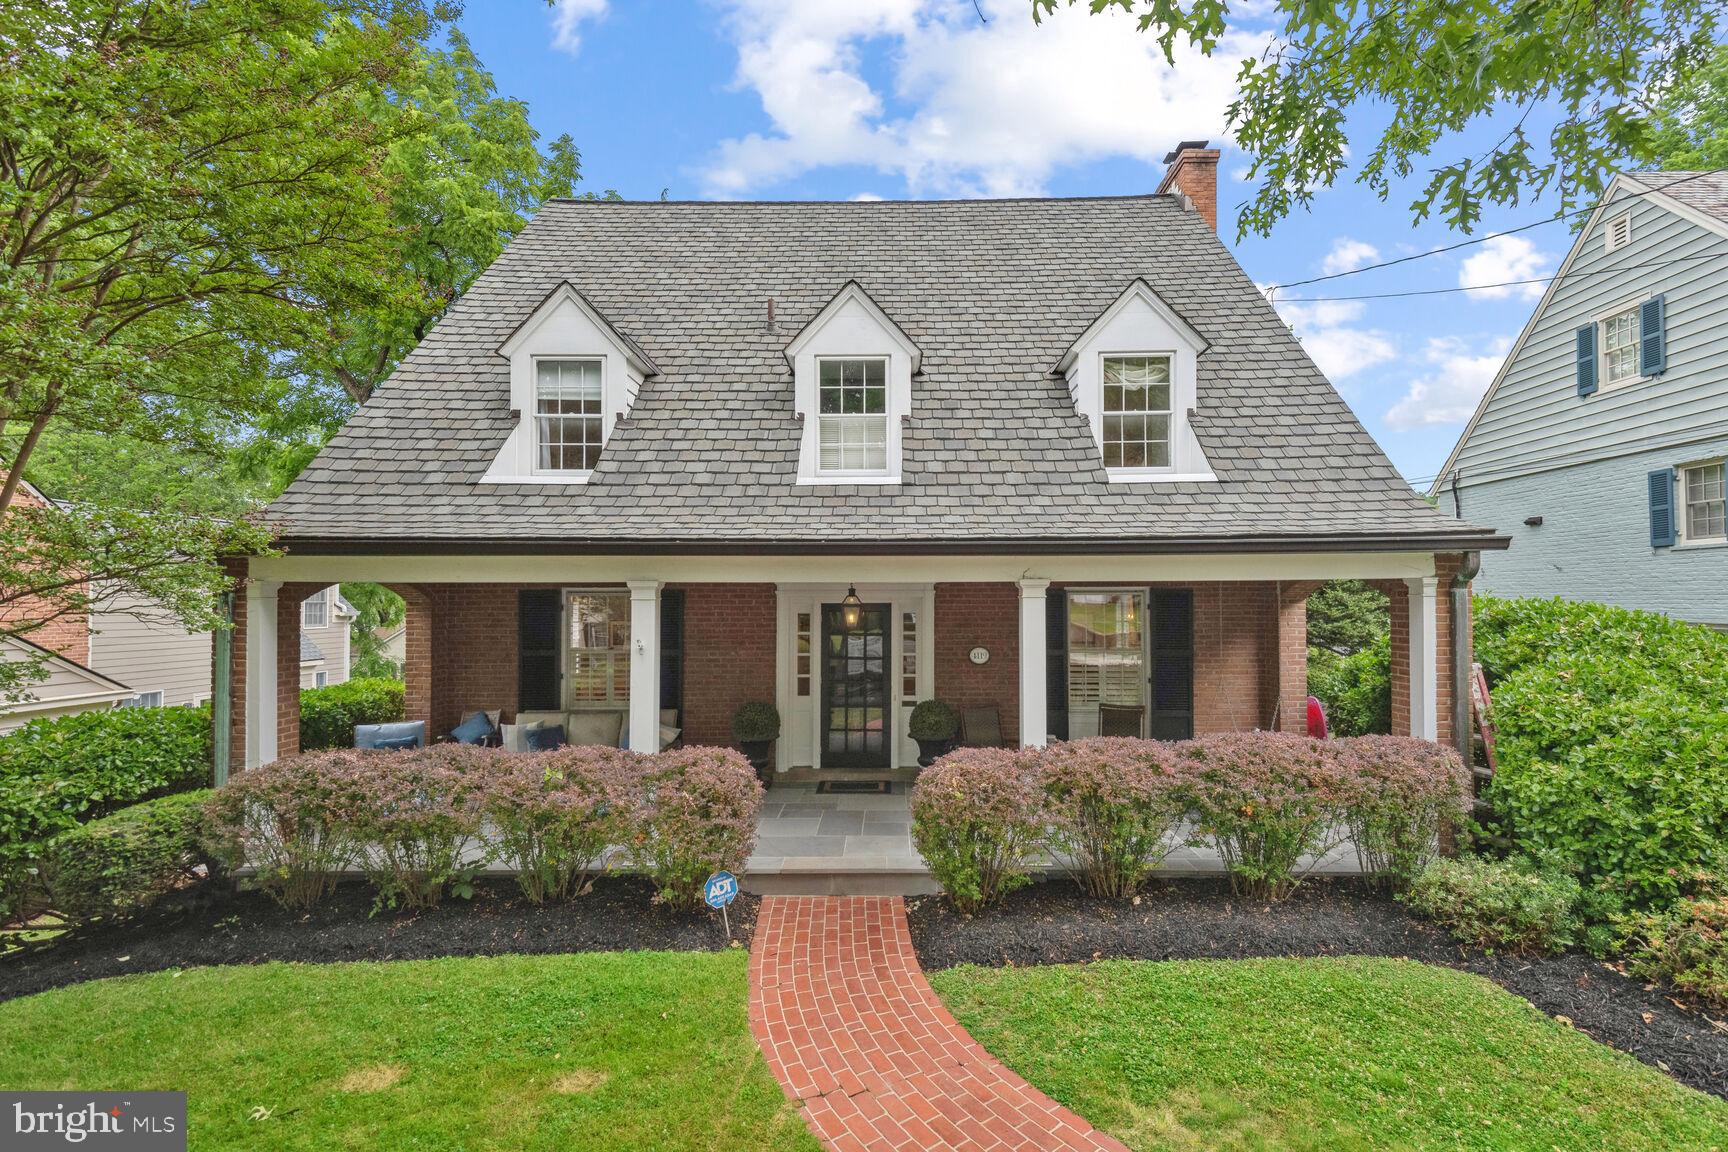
[(1400, 794), (698, 816), (554, 815), (1113, 805), (977, 818), (280, 820)]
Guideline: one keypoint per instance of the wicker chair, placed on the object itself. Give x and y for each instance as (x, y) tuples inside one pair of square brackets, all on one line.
[(981, 728), (1120, 719)]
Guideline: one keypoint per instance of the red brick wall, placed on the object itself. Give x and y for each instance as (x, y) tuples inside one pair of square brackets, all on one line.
[(970, 616), (68, 635), (237, 656), (729, 656), (1398, 597), (1195, 174), (1235, 656)]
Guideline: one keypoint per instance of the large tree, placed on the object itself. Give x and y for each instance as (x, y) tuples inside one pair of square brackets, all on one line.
[(1587, 72), (1691, 121)]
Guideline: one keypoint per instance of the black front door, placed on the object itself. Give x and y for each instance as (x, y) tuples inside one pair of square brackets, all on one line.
[(856, 707)]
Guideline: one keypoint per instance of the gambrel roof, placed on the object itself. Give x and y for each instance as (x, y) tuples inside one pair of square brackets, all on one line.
[(992, 293)]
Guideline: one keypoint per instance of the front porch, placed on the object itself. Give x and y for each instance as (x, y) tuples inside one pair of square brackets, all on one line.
[(669, 647)]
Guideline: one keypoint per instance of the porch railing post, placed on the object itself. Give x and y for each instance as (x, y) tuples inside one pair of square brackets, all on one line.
[(645, 665), (1424, 647), (1034, 724)]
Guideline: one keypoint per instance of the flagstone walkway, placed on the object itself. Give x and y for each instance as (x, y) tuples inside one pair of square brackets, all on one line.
[(852, 1031)]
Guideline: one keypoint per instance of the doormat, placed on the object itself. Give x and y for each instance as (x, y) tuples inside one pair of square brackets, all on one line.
[(857, 787)]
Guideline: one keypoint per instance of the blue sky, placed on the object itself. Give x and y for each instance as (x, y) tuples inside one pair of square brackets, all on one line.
[(838, 99)]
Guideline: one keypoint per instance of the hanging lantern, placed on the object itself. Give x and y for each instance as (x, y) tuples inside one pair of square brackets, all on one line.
[(851, 608)]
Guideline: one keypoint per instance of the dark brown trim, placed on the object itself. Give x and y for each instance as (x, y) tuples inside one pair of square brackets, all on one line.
[(519, 546)]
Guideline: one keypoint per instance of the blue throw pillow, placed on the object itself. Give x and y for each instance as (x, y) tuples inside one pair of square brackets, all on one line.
[(472, 730), (544, 739)]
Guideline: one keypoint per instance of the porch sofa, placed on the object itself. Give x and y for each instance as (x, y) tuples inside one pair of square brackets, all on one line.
[(588, 728)]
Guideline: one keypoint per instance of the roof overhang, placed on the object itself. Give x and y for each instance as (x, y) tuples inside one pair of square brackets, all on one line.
[(1141, 291), (849, 292), (568, 293)]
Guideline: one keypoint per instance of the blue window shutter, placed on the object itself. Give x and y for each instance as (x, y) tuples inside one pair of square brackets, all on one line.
[(1652, 337), (1587, 360), (1662, 508)]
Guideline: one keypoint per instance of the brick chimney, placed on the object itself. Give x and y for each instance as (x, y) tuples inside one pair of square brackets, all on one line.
[(1193, 172)]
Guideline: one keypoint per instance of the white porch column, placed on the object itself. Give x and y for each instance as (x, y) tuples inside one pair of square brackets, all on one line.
[(1424, 646), (644, 665), (1034, 724), (261, 671)]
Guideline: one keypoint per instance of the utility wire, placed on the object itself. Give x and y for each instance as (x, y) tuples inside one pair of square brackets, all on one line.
[(1484, 239), (1615, 271)]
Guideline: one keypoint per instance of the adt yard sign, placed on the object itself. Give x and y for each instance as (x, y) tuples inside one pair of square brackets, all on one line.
[(720, 890)]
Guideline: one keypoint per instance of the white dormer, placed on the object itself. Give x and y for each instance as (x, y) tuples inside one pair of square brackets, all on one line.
[(573, 376), (852, 370), (1132, 376)]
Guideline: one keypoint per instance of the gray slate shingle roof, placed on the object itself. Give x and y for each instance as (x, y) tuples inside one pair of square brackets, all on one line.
[(1705, 191), (992, 292)]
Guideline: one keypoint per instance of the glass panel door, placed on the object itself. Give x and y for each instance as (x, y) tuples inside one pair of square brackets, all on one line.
[(855, 700), (1106, 664)]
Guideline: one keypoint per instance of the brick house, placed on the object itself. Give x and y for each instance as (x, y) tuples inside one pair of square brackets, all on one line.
[(1040, 457)]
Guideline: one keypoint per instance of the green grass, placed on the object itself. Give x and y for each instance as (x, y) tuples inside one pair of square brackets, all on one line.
[(614, 1050), (1333, 1054)]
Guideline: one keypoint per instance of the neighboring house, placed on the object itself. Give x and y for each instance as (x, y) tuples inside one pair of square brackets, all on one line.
[(1027, 456), (325, 619), (393, 643), (1601, 443), (65, 687)]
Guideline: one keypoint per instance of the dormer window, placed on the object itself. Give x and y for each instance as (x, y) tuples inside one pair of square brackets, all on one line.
[(1137, 411), (567, 414), (852, 420), (573, 376), (852, 370), (1132, 375)]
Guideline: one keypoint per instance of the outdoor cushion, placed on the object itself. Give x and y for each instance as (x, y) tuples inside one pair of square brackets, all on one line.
[(492, 716), (596, 728), (472, 730), (403, 734), (539, 718), (668, 734), (544, 739), (514, 737)]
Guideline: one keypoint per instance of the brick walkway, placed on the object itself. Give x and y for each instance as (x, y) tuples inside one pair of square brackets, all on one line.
[(852, 1031)]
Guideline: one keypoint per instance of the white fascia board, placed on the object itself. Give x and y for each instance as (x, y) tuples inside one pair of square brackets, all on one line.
[(1139, 290), (567, 293), (1679, 207), (854, 291), (1007, 567)]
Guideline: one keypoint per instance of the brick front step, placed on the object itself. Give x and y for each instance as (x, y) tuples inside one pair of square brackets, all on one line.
[(853, 1032)]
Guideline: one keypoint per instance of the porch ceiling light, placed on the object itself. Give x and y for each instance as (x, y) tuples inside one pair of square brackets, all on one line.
[(851, 608)]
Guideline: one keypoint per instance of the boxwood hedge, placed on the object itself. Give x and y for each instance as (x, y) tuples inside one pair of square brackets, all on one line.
[(328, 715)]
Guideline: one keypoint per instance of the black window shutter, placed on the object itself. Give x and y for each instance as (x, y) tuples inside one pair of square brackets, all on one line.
[(1172, 678), (1652, 337), (537, 688), (672, 650), (1056, 663), (1662, 523), (1586, 360)]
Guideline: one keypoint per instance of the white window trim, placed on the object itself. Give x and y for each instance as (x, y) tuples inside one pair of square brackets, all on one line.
[(887, 471), (1159, 331), (851, 327), (322, 599), (564, 327), (321, 679), (1609, 244), (1599, 322), (136, 700), (565, 678), (1682, 518)]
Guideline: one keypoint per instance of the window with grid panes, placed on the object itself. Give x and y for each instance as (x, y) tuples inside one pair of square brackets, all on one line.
[(567, 416), (852, 415), (1137, 411)]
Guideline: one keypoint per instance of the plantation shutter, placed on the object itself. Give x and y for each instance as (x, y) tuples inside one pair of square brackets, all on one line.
[(537, 687), (1652, 337), (1587, 360), (1662, 508), (1172, 671), (1056, 663), (672, 651)]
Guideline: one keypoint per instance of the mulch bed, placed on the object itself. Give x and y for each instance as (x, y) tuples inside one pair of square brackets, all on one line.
[(212, 924), (1052, 923)]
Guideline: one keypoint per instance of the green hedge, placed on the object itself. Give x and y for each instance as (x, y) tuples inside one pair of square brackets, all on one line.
[(1356, 689), (1612, 733), (328, 715), (126, 860), (56, 774)]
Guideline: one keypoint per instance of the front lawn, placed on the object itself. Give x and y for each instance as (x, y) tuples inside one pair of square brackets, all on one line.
[(1323, 1054), (602, 1051)]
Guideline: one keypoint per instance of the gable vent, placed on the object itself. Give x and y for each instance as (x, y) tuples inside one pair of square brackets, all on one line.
[(1617, 233)]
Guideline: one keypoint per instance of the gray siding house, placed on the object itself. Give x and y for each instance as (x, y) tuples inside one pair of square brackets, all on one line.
[(1600, 446)]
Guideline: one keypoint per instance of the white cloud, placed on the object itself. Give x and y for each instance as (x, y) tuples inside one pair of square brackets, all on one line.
[(1347, 255), (1451, 391), (864, 197), (962, 107), (568, 16), (1329, 334), (1499, 261)]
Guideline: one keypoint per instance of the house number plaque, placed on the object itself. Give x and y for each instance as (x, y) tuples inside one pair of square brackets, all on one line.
[(979, 655)]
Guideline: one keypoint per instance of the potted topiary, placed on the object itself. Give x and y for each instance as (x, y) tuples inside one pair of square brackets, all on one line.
[(934, 724), (756, 725)]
